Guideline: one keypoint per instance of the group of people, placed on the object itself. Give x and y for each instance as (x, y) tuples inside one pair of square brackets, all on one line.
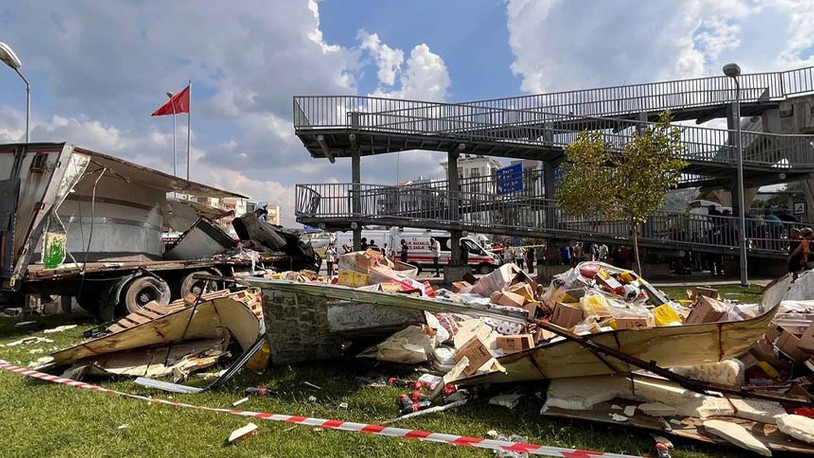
[(524, 256), (620, 256)]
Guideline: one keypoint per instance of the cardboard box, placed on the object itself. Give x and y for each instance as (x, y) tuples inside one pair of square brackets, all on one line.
[(707, 310), (457, 286), (566, 316), (789, 344), (523, 289), (543, 336), (515, 343), (632, 322), (476, 352), (748, 360), (807, 340), (697, 292), (532, 307), (510, 299)]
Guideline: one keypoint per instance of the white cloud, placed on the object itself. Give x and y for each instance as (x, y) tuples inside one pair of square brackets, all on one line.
[(424, 78), (560, 45), (800, 46), (388, 59)]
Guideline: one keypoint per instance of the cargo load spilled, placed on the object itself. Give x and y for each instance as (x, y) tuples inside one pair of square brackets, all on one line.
[(601, 343)]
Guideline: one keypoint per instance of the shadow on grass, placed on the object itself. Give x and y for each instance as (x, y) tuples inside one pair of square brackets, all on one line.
[(8, 328)]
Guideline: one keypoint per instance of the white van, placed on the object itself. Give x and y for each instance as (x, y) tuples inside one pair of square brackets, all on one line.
[(418, 243)]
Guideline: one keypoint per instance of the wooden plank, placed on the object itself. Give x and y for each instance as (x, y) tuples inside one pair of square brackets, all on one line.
[(115, 327), (149, 313), (138, 319)]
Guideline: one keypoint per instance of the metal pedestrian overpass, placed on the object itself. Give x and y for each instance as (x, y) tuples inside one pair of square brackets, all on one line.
[(539, 127)]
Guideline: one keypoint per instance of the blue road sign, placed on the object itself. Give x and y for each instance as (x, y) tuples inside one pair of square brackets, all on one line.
[(510, 179), (558, 173)]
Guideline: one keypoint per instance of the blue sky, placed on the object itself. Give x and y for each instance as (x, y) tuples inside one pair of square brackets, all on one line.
[(100, 67)]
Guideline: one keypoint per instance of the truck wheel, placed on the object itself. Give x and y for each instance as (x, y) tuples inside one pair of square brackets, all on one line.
[(143, 290), (88, 298), (190, 285), (485, 269)]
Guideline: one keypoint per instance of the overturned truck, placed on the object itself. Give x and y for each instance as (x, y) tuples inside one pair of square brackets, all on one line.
[(99, 221)]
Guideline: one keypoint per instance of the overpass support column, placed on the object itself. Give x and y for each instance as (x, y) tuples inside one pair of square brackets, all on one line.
[(551, 220), (454, 203), (356, 202)]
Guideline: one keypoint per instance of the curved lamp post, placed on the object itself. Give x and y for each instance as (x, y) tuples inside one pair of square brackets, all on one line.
[(9, 58), (734, 71)]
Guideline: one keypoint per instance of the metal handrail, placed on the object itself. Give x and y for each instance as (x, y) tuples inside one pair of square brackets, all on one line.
[(544, 129), (664, 95), (489, 212)]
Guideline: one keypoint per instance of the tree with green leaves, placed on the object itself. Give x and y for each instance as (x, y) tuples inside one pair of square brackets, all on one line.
[(630, 184)]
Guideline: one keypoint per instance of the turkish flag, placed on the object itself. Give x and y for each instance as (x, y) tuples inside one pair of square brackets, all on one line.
[(179, 103)]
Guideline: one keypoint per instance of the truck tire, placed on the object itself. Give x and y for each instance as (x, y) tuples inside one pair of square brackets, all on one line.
[(89, 299), (485, 268), (190, 285), (137, 293)]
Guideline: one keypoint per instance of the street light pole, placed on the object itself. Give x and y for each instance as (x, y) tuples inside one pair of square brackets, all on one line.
[(733, 71), (9, 58)]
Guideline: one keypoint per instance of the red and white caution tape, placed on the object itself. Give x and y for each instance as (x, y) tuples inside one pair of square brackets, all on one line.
[(451, 439)]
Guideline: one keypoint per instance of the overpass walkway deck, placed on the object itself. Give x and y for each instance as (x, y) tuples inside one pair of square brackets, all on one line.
[(330, 206)]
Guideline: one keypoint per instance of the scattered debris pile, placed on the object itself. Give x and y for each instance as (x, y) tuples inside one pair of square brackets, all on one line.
[(187, 336), (606, 344)]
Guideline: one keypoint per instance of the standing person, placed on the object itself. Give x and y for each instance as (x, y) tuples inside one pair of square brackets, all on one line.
[(518, 256), (508, 253), (364, 244), (530, 259), (603, 253), (805, 249), (795, 261), (565, 254), (588, 249), (330, 258), (435, 252), (384, 251), (464, 254), (404, 250), (624, 256)]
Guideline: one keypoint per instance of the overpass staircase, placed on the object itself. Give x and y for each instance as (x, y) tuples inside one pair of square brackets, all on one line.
[(539, 127)]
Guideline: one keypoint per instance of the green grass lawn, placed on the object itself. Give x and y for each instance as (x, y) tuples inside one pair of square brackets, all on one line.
[(43, 419)]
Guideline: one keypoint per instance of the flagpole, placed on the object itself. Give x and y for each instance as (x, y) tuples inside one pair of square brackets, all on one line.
[(189, 127), (174, 160)]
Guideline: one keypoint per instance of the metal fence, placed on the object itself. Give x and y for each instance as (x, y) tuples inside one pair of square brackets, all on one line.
[(468, 123), (488, 212), (664, 95)]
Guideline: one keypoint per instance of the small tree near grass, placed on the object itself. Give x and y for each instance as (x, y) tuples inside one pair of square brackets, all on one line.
[(631, 184)]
